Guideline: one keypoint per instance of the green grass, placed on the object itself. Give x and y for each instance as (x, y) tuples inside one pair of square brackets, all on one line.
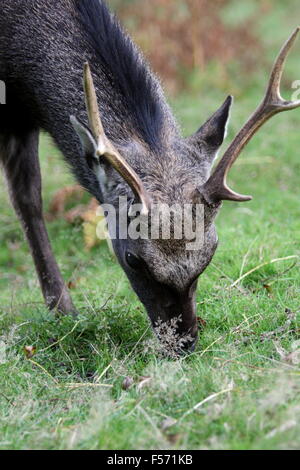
[(38, 407), (70, 396)]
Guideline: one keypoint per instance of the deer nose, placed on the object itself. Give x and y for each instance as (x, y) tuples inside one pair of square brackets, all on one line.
[(189, 347), (193, 345)]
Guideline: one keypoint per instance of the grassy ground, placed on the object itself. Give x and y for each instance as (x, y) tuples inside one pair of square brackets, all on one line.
[(239, 390)]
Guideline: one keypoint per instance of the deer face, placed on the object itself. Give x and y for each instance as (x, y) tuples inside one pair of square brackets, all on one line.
[(164, 275), (173, 242), (162, 267), (164, 271)]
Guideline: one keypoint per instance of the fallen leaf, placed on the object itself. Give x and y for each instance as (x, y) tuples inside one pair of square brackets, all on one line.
[(201, 323), (76, 214), (29, 351), (268, 289), (63, 196), (91, 214), (174, 438), (144, 381), (167, 424), (292, 357), (127, 383), (72, 285)]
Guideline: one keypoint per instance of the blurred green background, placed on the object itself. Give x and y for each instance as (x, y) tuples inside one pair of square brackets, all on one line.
[(200, 44)]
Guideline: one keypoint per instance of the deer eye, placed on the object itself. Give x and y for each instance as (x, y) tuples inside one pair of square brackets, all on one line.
[(133, 261)]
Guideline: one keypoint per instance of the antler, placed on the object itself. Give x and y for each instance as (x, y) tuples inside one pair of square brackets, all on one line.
[(216, 189), (106, 149)]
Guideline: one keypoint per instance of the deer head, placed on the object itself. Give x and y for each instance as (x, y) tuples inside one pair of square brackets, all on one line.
[(163, 272)]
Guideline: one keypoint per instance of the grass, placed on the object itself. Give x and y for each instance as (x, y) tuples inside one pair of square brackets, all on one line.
[(239, 390)]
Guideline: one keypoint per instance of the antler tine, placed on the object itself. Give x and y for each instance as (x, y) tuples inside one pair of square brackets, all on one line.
[(273, 94), (92, 103), (216, 189), (105, 148)]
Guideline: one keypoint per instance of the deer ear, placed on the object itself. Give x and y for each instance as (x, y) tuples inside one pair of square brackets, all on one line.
[(213, 132), (89, 147), (88, 142)]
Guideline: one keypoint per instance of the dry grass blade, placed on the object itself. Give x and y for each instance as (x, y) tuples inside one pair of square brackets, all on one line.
[(234, 330), (36, 364), (282, 331), (83, 385), (103, 373), (61, 339), (206, 400), (257, 268)]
